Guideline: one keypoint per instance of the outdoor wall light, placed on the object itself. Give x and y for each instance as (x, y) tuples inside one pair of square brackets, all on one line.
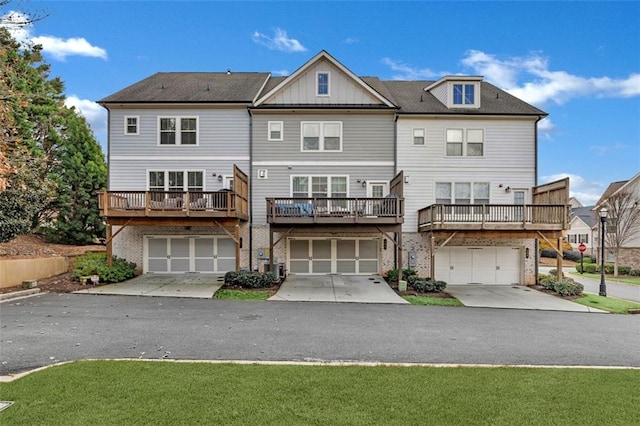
[(364, 183), (219, 178)]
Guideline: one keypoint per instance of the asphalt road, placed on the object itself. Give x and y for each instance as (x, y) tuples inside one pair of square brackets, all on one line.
[(49, 328)]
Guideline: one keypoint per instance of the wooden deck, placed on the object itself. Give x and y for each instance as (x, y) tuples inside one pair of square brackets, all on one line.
[(494, 217), (335, 211), (167, 204)]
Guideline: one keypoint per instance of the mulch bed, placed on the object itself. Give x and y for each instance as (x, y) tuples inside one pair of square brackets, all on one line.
[(63, 283)]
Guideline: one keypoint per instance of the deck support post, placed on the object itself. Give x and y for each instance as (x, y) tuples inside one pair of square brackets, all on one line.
[(109, 246)]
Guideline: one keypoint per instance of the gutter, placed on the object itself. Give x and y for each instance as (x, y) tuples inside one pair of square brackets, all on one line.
[(535, 180)]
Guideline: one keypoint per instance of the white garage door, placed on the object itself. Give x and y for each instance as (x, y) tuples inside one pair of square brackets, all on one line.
[(333, 256), (174, 254), (478, 265)]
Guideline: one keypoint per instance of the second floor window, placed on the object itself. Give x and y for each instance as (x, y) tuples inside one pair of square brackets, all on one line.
[(275, 131), (169, 180), (178, 130), (418, 136), (319, 186), (131, 125), (323, 84), (321, 136), (465, 142)]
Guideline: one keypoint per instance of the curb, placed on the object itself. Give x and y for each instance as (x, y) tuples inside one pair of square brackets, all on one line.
[(20, 293)]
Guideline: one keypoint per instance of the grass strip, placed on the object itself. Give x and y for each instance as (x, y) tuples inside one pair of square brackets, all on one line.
[(609, 304), (231, 294), (431, 301), (159, 393), (619, 279)]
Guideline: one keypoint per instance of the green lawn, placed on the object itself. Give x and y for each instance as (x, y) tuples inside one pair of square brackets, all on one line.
[(165, 393), (432, 301), (610, 304), (620, 279), (231, 294)]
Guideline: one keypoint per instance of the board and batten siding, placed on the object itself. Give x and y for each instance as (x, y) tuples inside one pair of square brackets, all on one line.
[(509, 160), (342, 89), (223, 140), (278, 181), (365, 137)]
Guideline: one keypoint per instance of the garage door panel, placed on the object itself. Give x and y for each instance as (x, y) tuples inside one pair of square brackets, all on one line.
[(226, 247), (204, 247), (368, 267), (346, 266), (180, 265), (321, 266), (321, 249), (368, 249), (478, 265), (180, 247), (205, 265), (226, 265), (158, 265), (299, 266), (157, 247)]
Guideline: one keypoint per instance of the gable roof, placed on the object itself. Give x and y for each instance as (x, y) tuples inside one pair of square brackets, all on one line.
[(413, 99), (197, 87), (615, 187), (323, 54), (586, 214)]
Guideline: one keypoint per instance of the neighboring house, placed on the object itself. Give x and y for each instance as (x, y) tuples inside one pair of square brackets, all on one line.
[(334, 174), (575, 203), (622, 200), (584, 229), (177, 142), (464, 142)]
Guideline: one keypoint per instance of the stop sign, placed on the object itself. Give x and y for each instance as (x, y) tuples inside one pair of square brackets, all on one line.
[(582, 248)]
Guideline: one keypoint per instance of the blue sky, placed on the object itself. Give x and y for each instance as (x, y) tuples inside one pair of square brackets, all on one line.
[(578, 61)]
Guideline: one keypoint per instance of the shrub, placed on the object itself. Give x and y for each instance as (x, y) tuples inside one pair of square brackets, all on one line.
[(587, 260), (624, 270), (634, 272), (96, 264), (425, 285), (249, 279), (589, 268), (568, 287), (554, 273), (547, 281), (571, 255), (392, 275), (548, 253)]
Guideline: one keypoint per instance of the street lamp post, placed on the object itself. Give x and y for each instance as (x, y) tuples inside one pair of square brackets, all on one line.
[(603, 220)]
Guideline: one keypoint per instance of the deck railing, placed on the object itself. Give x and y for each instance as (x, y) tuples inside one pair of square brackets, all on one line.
[(493, 216), (389, 210), (172, 203)]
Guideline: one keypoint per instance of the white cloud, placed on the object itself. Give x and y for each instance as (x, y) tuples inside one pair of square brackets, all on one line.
[(530, 79), (280, 41), (280, 73), (57, 47), (588, 193), (95, 115), (351, 40), (407, 72), (601, 150)]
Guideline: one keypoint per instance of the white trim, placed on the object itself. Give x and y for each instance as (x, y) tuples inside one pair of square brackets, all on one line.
[(465, 142), (334, 62), (334, 253), (321, 143), (424, 136), (324, 163), (185, 177), (281, 138), (178, 129), (310, 189), (126, 119), (192, 254), (464, 82), (323, 95), (370, 183), (471, 78), (178, 157)]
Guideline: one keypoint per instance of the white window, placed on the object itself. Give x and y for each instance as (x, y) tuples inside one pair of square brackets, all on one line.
[(319, 186), (572, 238), (177, 130), (462, 193), (418, 136), (131, 125), (465, 142), (321, 136), (275, 131), (322, 84), (583, 238), (464, 94), (174, 180)]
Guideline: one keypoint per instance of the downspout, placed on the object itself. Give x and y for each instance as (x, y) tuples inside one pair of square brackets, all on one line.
[(535, 180), (250, 188), (395, 172)]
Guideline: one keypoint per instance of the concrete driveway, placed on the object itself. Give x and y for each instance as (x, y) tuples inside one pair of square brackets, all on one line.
[(337, 288), (513, 297), (199, 286)]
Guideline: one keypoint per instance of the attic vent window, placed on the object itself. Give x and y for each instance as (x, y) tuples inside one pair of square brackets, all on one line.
[(464, 94)]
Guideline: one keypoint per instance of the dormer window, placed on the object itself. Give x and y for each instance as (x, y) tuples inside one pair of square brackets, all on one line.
[(464, 94), (323, 84)]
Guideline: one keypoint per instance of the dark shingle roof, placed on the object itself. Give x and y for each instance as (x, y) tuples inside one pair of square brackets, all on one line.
[(192, 87), (587, 215), (412, 98)]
